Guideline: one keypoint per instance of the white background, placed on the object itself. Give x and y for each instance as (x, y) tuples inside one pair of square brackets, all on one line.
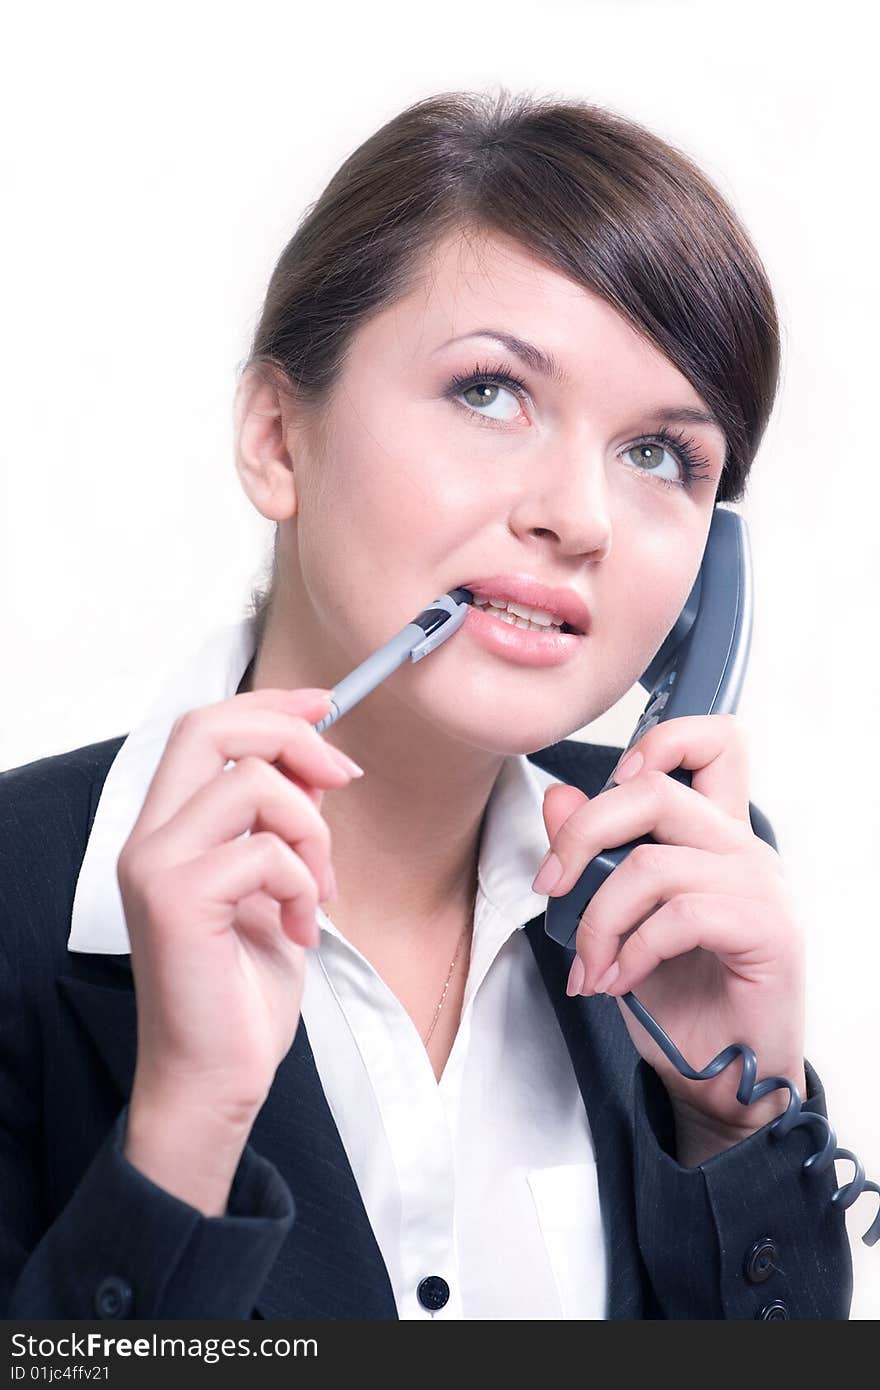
[(157, 160)]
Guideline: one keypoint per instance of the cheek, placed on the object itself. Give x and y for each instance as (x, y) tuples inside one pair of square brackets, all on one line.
[(647, 593), (380, 479), (372, 524)]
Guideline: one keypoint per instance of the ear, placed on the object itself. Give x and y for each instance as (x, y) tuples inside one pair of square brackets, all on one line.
[(560, 801), (261, 416)]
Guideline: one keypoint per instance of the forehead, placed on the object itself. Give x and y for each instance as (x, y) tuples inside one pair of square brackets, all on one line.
[(483, 280)]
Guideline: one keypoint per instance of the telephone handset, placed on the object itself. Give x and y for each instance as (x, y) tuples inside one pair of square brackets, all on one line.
[(700, 669)]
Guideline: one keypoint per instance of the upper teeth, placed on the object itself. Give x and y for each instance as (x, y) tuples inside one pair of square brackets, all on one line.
[(519, 610)]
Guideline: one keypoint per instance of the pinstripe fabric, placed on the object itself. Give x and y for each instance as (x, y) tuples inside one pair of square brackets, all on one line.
[(296, 1241)]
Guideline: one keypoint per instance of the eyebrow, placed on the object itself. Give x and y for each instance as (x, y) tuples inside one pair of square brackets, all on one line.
[(545, 364)]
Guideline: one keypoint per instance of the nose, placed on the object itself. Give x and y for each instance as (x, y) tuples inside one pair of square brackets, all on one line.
[(567, 501)]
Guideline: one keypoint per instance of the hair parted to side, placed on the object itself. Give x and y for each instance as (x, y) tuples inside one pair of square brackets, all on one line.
[(589, 192)]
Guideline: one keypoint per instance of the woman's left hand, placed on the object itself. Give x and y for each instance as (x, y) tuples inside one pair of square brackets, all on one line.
[(701, 924)]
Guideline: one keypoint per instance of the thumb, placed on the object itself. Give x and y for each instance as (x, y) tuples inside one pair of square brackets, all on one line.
[(560, 801)]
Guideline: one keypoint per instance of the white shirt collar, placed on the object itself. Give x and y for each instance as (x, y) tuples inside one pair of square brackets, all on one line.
[(513, 842)]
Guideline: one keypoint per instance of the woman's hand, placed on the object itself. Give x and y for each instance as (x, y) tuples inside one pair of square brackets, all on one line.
[(218, 923), (700, 925)]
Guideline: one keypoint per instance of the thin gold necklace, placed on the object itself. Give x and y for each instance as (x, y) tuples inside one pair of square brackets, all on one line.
[(427, 1038), (464, 933)]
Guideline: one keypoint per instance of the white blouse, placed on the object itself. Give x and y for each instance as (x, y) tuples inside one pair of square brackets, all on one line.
[(485, 1180)]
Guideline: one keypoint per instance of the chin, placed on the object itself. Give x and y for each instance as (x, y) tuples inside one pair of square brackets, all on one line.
[(509, 736)]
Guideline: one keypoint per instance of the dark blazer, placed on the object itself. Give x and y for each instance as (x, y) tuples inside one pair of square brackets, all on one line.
[(83, 1233)]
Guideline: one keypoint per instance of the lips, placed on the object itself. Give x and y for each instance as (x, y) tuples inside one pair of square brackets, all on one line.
[(522, 588)]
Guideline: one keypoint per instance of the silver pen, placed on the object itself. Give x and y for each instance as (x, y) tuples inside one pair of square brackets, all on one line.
[(427, 631)]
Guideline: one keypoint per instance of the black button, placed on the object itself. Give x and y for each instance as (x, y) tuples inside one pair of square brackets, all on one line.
[(113, 1298), (433, 1292), (772, 1312), (762, 1260)]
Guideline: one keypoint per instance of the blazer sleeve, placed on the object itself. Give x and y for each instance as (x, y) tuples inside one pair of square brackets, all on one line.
[(121, 1246), (747, 1234)]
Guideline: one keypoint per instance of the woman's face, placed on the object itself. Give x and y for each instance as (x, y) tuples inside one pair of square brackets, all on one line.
[(425, 483)]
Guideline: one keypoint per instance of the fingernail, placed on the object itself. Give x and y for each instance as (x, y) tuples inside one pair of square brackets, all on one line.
[(575, 977), (331, 883), (346, 763), (548, 875), (628, 766), (607, 979)]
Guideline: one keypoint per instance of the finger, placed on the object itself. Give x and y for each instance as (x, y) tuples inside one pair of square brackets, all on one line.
[(744, 935), (260, 917), (213, 885), (203, 741), (254, 797), (713, 747), (560, 801), (650, 876), (650, 804)]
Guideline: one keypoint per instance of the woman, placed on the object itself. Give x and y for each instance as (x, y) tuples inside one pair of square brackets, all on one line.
[(523, 346)]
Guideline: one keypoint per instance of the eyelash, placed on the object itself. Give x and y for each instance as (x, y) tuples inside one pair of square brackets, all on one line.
[(693, 464)]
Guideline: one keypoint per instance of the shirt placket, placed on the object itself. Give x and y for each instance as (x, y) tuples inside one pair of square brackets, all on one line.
[(414, 1116)]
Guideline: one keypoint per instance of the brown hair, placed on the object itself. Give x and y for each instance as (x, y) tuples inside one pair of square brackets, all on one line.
[(589, 192)]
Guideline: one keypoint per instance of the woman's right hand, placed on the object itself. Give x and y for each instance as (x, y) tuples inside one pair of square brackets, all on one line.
[(217, 923)]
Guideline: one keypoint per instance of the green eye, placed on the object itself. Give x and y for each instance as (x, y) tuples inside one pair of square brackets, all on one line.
[(481, 379), (650, 457)]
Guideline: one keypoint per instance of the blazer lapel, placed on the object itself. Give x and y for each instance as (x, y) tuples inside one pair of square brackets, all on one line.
[(100, 991), (330, 1266)]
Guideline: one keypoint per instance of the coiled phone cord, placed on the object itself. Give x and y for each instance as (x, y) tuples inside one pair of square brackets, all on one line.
[(748, 1092)]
